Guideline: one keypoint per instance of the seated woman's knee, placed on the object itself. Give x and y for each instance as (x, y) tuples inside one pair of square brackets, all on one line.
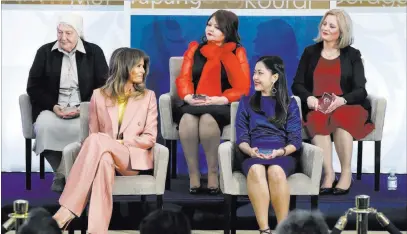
[(276, 173), (257, 172), (93, 136), (207, 120), (107, 158), (187, 118), (209, 127), (43, 121)]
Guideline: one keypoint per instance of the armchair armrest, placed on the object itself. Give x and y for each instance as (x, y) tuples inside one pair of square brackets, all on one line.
[(226, 156), (311, 163), (233, 111), (26, 116), (298, 100), (166, 119), (378, 114), (69, 155), (161, 156)]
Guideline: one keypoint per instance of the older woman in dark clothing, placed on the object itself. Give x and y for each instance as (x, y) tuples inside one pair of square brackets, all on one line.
[(64, 74)]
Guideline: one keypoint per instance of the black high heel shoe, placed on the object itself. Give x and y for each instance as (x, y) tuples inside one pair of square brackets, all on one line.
[(326, 191), (195, 190), (339, 191), (67, 220), (213, 191)]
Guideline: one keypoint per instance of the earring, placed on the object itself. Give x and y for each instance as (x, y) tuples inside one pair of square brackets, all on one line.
[(273, 90)]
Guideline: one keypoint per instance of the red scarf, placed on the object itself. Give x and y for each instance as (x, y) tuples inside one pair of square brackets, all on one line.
[(210, 81)]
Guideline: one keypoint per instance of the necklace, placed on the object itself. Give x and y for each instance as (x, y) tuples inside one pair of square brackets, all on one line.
[(330, 55)]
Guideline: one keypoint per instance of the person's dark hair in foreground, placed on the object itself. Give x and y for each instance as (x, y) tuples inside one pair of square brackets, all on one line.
[(39, 221), (165, 221), (303, 222)]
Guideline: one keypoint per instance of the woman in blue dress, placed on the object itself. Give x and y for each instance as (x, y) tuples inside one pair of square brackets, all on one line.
[(268, 135)]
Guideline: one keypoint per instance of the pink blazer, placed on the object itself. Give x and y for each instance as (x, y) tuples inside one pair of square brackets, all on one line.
[(139, 126)]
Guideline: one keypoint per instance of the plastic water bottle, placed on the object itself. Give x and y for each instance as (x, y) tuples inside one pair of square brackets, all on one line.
[(392, 181)]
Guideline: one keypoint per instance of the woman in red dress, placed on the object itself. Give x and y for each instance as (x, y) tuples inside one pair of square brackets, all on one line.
[(332, 66)]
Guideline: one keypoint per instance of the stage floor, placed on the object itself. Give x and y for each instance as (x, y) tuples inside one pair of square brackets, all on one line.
[(206, 212)]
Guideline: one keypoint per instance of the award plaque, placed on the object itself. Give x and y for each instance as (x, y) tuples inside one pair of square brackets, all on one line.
[(324, 102)]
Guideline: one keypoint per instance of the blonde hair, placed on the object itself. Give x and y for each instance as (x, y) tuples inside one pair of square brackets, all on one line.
[(345, 28), (121, 63)]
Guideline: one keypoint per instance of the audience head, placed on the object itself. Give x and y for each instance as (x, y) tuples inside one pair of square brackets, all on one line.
[(270, 80), (303, 222), (69, 30), (336, 26), (128, 66), (162, 221), (222, 27), (39, 221)]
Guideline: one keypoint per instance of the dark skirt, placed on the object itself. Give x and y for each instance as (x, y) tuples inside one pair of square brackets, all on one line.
[(221, 113), (243, 162)]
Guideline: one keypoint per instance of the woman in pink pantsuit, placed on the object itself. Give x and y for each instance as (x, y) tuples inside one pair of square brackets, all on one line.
[(122, 131)]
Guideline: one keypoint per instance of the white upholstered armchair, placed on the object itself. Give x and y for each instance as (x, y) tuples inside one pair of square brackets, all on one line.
[(128, 185), (29, 135), (233, 183), (168, 128), (377, 116)]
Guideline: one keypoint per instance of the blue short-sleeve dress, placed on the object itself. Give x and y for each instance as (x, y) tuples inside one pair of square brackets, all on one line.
[(255, 129)]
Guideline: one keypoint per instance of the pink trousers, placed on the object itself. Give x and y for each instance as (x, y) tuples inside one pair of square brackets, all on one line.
[(93, 175)]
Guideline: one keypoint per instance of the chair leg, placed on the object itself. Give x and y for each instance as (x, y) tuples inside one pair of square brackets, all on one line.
[(28, 164), (144, 204), (84, 226), (359, 161), (233, 217), (377, 153), (314, 202), (174, 159), (293, 202), (159, 202), (124, 209), (168, 178), (228, 208), (42, 166), (71, 230)]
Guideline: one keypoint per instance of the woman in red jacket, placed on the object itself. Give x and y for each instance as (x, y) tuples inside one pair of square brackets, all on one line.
[(214, 74)]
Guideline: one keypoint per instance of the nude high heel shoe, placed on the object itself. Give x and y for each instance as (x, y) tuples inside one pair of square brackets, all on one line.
[(63, 218)]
